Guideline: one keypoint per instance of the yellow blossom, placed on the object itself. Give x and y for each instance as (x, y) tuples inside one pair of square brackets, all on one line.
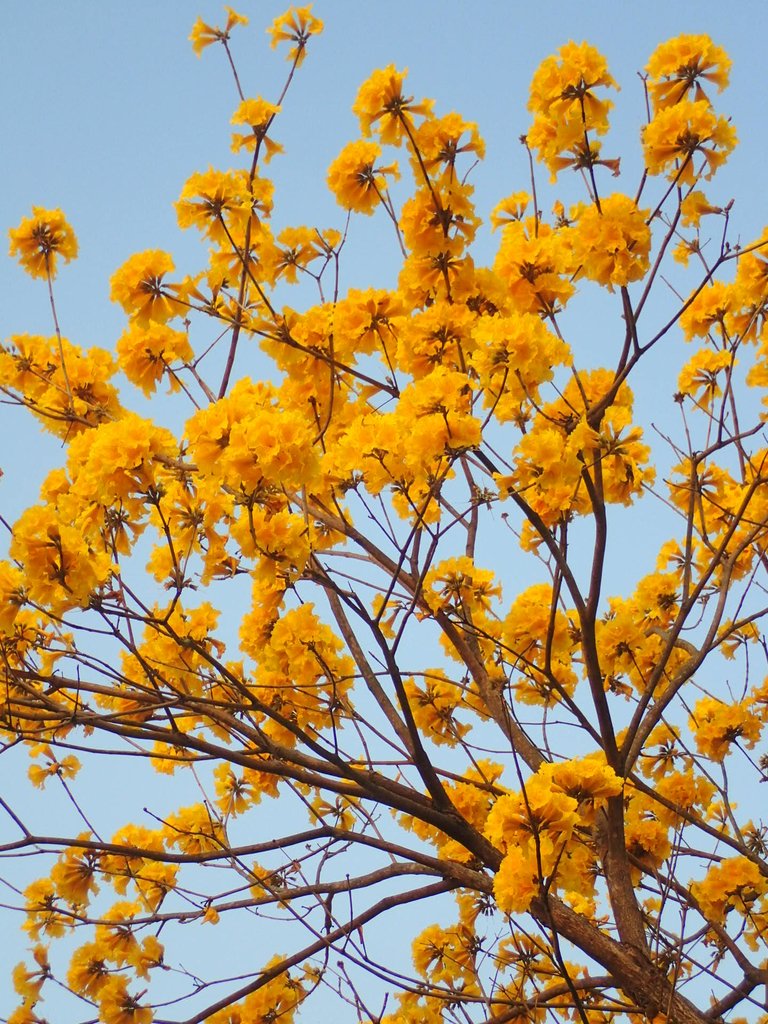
[(672, 140), (734, 882), (716, 726), (259, 115), (699, 376), (612, 244), (676, 69), (567, 108), (356, 180), (203, 35), (382, 106), (139, 288), (511, 208), (40, 240), (296, 26), (694, 207), (145, 354)]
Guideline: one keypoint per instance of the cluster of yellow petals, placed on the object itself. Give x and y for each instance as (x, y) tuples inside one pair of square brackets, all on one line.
[(382, 106), (203, 35), (535, 263), (296, 26), (612, 244), (434, 702), (303, 673), (677, 135), (139, 288), (684, 65), (717, 726), (63, 567), (279, 999), (40, 240), (733, 883), (447, 956), (66, 389), (146, 353), (562, 454), (539, 647), (568, 107), (65, 768), (356, 178), (630, 636), (537, 830), (258, 114), (684, 126)]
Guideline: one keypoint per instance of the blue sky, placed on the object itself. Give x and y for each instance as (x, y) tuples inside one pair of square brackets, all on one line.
[(107, 111)]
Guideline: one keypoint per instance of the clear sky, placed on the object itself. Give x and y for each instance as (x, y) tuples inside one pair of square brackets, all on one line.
[(106, 111)]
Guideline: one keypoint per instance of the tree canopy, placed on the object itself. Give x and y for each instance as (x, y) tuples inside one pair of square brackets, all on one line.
[(374, 730)]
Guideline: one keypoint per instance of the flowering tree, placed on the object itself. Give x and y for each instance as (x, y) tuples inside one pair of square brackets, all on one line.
[(558, 775)]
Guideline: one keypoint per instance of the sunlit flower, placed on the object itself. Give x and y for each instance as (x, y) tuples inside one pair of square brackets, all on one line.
[(677, 134), (39, 240), (296, 26), (612, 245), (676, 69), (382, 106), (203, 35), (356, 180), (138, 287), (259, 115)]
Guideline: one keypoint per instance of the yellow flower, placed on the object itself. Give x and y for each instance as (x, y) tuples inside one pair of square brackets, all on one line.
[(296, 26), (716, 726), (74, 874), (708, 310), (700, 374), (28, 983), (11, 595), (676, 134), (447, 955), (66, 389), (195, 830), (203, 35), (259, 115), (145, 354), (88, 973), (733, 883), (440, 219), (221, 204), (694, 207), (61, 569), (567, 109), (433, 707), (355, 180), (138, 287), (439, 140), (66, 768), (118, 1006), (297, 247), (510, 209), (677, 67), (752, 288), (517, 881), (459, 584), (43, 911), (536, 266), (40, 239), (381, 104), (612, 244)]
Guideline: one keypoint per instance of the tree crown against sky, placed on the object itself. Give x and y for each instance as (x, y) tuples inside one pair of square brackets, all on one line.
[(354, 615)]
